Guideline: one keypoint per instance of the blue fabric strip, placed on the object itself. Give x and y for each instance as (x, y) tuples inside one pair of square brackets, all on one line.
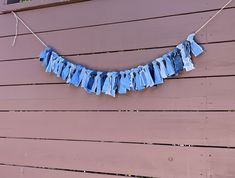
[(96, 87), (91, 81), (85, 78), (65, 71), (177, 60), (132, 79), (76, 76), (195, 48), (59, 66), (157, 75), (169, 65), (163, 70), (124, 82), (45, 56), (72, 70), (149, 80), (185, 54), (108, 87), (139, 78)]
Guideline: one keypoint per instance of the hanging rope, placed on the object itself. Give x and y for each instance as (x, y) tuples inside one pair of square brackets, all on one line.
[(16, 31), (206, 23), (18, 18)]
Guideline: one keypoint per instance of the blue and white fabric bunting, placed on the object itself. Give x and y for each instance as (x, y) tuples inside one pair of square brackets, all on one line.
[(137, 78)]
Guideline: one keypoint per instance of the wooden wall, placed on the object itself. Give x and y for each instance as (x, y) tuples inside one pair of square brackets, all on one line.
[(182, 129)]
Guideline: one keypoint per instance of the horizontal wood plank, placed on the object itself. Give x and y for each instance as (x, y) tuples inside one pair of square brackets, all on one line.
[(182, 94), (133, 35), (26, 172), (212, 63), (188, 128), (145, 160), (106, 11)]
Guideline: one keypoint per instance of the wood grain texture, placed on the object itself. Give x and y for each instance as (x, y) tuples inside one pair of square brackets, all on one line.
[(183, 94), (25, 172), (133, 35), (106, 11), (188, 128), (148, 160)]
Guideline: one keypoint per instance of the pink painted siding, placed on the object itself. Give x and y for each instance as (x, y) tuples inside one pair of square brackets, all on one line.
[(182, 129)]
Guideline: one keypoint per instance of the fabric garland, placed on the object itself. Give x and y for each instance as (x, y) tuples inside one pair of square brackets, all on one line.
[(137, 78)]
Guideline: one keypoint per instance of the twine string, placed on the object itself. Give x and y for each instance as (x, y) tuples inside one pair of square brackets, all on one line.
[(19, 19), (206, 23), (16, 30)]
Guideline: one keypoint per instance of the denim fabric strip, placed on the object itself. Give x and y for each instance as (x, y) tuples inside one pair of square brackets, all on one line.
[(54, 63), (85, 79), (108, 87), (163, 70), (113, 84), (151, 71), (157, 75), (59, 66), (139, 80), (99, 84), (177, 60), (45, 56), (124, 82), (169, 65), (44, 53), (148, 77), (195, 48), (117, 80), (72, 70), (185, 54), (65, 71), (49, 66), (107, 82), (96, 87), (51, 61), (81, 76), (103, 77), (91, 81), (132, 79), (76, 76)]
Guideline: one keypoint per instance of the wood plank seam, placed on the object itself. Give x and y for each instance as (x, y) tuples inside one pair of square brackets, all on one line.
[(123, 142), (76, 170), (113, 110)]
